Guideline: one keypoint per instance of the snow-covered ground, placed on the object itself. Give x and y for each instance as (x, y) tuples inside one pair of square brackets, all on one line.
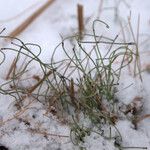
[(27, 131)]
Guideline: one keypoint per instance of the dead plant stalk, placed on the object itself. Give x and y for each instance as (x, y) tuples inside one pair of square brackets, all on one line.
[(12, 67), (40, 82), (29, 20), (80, 20)]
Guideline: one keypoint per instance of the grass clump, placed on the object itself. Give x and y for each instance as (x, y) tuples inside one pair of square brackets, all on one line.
[(80, 87)]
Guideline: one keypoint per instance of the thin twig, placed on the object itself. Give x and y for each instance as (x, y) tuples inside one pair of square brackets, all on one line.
[(100, 9), (80, 20), (47, 134), (142, 118), (13, 65), (105, 42), (20, 13), (29, 20), (40, 82)]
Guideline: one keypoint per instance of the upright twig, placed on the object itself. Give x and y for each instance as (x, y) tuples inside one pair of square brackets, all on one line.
[(100, 9), (137, 64), (80, 20), (124, 40)]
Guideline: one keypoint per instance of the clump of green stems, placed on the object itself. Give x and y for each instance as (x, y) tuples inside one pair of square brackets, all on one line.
[(79, 84)]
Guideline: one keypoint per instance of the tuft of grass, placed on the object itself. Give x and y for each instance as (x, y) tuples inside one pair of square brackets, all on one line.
[(80, 86)]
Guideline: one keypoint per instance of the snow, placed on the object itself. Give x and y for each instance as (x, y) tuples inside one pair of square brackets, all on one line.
[(27, 131)]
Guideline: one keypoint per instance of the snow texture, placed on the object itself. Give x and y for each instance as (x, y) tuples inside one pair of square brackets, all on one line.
[(60, 19)]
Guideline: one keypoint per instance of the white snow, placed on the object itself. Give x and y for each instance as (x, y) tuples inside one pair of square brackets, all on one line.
[(60, 19)]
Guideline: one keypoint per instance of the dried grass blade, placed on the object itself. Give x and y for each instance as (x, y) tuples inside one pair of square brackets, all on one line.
[(29, 20)]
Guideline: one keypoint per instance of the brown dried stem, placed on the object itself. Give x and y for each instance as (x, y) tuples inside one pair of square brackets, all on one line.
[(80, 20), (35, 131), (40, 82), (142, 118), (12, 67), (29, 20)]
